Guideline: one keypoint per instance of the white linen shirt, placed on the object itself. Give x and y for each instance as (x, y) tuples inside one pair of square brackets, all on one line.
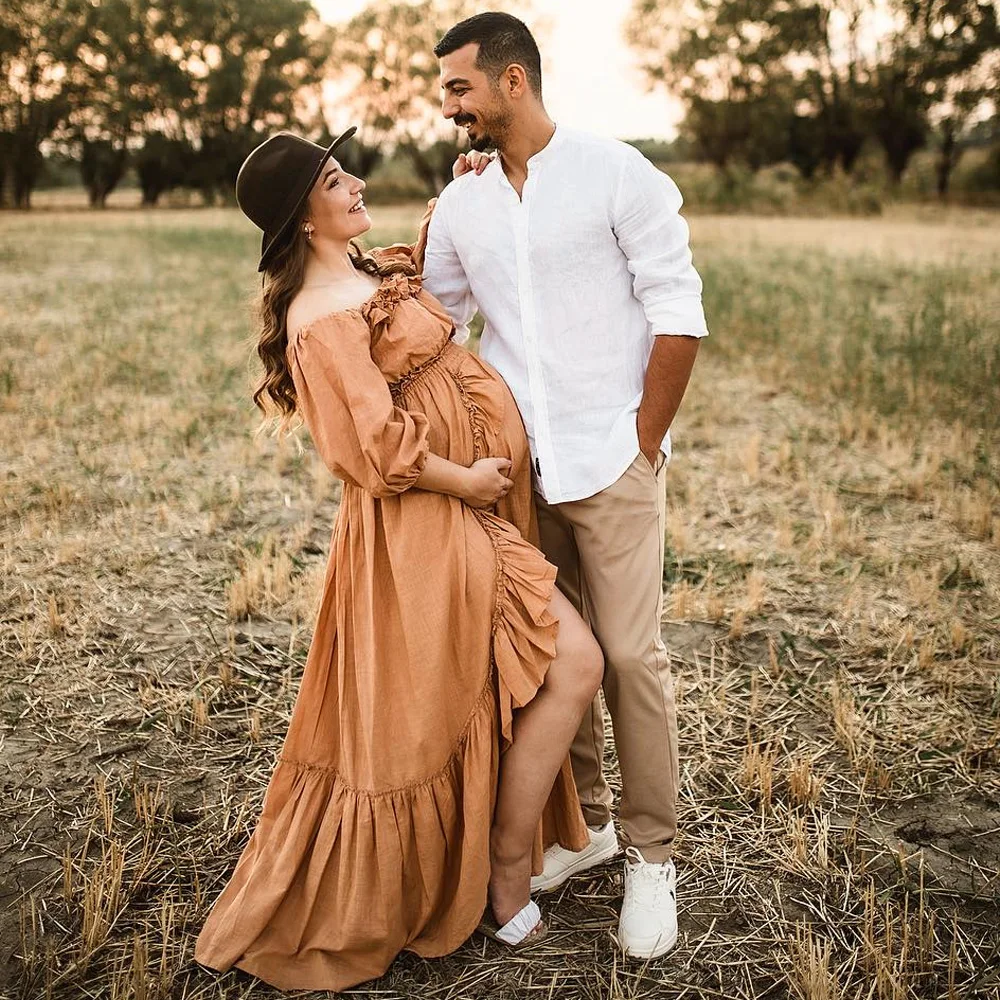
[(573, 279)]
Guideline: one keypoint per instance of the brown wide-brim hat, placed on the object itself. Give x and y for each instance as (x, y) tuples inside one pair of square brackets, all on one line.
[(275, 180)]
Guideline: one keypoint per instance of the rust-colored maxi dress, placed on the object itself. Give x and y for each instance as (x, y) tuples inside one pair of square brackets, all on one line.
[(433, 626)]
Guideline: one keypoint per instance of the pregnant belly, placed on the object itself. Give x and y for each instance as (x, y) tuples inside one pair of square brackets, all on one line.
[(469, 408), (509, 438)]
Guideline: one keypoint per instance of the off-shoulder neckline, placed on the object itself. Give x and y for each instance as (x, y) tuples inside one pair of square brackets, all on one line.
[(359, 309), (333, 312)]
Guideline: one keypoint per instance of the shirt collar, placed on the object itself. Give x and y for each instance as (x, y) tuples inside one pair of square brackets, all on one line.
[(546, 150), (544, 153)]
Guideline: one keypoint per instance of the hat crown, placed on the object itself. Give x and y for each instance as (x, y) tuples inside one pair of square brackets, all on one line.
[(272, 177), (274, 181)]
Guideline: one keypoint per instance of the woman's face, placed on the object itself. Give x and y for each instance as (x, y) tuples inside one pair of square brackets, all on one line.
[(335, 207)]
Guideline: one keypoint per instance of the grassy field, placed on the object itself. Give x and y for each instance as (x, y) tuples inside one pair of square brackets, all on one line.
[(833, 614)]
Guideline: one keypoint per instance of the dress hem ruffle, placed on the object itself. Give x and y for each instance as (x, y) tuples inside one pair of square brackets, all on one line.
[(333, 830)]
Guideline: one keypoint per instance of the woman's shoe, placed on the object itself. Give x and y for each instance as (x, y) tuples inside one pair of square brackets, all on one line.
[(524, 929)]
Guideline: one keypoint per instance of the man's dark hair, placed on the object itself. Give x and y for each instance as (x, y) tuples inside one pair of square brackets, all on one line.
[(503, 40)]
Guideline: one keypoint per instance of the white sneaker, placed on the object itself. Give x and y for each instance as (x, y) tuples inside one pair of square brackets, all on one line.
[(647, 927), (560, 864)]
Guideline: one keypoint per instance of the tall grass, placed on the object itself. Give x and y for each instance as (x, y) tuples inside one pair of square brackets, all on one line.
[(914, 343)]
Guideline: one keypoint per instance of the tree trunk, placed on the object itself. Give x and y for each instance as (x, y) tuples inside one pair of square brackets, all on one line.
[(947, 158), (25, 176), (26, 165), (22, 191), (102, 166)]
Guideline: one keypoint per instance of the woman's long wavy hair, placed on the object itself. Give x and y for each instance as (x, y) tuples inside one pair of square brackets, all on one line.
[(283, 277)]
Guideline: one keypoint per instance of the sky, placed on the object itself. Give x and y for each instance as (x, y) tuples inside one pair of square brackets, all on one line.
[(589, 77)]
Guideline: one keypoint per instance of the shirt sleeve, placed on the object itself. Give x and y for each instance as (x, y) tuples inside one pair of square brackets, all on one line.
[(654, 238), (444, 276), (362, 437)]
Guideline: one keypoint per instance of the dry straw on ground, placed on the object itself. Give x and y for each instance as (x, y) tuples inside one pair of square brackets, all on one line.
[(833, 584)]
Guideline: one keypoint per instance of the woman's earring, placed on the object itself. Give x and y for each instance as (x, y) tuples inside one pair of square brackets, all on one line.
[(308, 229)]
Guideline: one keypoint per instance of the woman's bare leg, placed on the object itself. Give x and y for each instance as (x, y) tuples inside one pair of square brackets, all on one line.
[(543, 732)]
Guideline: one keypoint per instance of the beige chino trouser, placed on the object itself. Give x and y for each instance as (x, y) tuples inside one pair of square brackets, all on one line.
[(609, 552)]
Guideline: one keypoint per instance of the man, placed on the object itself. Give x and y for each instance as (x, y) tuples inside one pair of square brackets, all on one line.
[(572, 248)]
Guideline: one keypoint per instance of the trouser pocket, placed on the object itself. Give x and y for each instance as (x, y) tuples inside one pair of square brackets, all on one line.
[(660, 459)]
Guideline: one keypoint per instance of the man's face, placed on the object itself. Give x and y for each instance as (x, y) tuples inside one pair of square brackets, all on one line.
[(472, 100)]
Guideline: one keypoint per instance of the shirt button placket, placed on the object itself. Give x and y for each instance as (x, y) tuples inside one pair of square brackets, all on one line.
[(536, 382)]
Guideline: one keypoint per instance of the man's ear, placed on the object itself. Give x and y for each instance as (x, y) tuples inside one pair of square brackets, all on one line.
[(515, 80)]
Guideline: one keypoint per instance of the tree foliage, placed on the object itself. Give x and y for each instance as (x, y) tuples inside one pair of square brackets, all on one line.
[(387, 55), (35, 85), (810, 80), (183, 89), (187, 87), (935, 67), (253, 66)]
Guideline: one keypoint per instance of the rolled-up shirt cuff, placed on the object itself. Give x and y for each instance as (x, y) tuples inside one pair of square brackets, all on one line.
[(683, 316)]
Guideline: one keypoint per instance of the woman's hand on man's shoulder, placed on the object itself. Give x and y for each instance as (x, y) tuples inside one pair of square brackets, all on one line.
[(472, 160)]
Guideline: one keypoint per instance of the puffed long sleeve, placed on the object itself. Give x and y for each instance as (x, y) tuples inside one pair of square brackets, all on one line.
[(362, 437), (654, 238)]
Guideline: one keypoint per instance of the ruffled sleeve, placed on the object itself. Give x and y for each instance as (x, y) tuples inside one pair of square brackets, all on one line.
[(362, 437), (420, 247), (410, 254)]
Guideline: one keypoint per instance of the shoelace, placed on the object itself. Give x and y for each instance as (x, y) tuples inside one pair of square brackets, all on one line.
[(647, 882)]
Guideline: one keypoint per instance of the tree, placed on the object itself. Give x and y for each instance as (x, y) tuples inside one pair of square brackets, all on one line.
[(759, 74), (128, 79), (832, 85), (951, 120), (36, 79), (932, 59), (252, 66), (162, 164), (731, 63), (388, 50), (238, 70)]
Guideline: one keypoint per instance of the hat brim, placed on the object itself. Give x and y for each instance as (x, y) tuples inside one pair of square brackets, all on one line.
[(269, 246)]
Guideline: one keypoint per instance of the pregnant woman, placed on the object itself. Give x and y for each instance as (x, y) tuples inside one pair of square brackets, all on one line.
[(425, 768)]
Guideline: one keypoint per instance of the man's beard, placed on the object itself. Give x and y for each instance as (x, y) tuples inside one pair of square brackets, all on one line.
[(484, 143), (492, 129)]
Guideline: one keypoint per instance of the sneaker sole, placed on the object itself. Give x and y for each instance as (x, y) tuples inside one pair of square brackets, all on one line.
[(591, 861), (655, 952)]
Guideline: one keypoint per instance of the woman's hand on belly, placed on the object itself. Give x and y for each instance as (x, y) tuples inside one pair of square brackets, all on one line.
[(488, 482), (480, 485)]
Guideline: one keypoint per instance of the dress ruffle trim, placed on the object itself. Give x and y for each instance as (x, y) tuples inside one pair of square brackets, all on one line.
[(381, 307), (479, 445), (524, 628), (524, 644), (336, 881)]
